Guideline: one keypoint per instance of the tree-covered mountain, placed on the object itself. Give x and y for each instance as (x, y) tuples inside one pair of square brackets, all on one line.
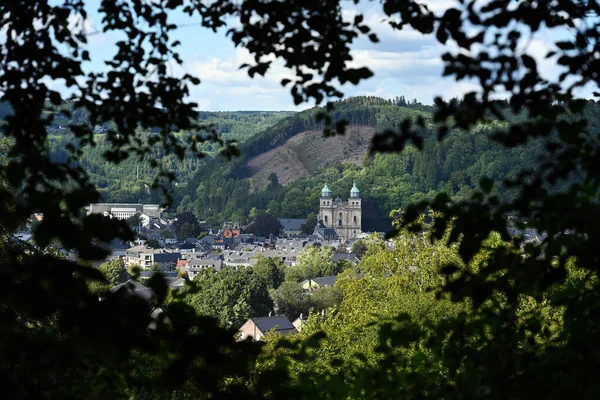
[(226, 190), (285, 162), (131, 180)]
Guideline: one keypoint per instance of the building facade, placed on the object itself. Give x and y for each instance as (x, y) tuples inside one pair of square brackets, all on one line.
[(124, 211), (345, 217)]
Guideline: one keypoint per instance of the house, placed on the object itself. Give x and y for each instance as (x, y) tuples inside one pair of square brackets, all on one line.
[(133, 288), (23, 236), (315, 283), (166, 274), (118, 248), (196, 265), (291, 227), (351, 258), (230, 231), (324, 233), (215, 257), (124, 211), (145, 257), (299, 322), (257, 328), (165, 259), (177, 283), (290, 244)]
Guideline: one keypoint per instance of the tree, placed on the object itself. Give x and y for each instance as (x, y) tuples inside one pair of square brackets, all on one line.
[(264, 225), (359, 248), (273, 181), (114, 272), (153, 243), (271, 270), (155, 267), (312, 263), (230, 295), (186, 225), (134, 221), (309, 226), (290, 300)]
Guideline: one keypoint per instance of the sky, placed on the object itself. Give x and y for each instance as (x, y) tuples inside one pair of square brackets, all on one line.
[(405, 63)]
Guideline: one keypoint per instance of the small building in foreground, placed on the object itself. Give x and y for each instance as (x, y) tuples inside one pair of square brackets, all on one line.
[(257, 328), (315, 283)]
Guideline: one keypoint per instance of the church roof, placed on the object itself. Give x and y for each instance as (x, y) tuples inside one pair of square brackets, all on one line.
[(326, 192), (354, 189)]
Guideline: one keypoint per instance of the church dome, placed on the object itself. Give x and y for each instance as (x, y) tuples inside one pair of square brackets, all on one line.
[(354, 192), (326, 192)]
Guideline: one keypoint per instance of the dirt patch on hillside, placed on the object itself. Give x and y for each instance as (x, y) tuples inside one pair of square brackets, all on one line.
[(308, 152)]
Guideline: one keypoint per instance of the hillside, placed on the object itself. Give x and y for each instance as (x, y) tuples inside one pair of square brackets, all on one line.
[(307, 153), (292, 148)]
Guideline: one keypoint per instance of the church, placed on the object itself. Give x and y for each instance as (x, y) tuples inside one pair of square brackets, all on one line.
[(344, 217)]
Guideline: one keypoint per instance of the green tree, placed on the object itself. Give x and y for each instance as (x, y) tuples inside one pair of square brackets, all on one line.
[(309, 226), (290, 300), (359, 248), (230, 295), (264, 225), (186, 225), (271, 270), (153, 243), (134, 221), (114, 272), (312, 263)]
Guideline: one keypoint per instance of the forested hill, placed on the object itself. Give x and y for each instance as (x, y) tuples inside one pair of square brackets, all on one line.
[(231, 189), (285, 162), (226, 190)]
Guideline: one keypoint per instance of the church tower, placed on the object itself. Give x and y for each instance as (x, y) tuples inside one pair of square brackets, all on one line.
[(326, 207), (343, 216)]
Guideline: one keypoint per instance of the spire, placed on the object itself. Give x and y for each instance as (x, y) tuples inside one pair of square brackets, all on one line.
[(326, 192), (354, 192)]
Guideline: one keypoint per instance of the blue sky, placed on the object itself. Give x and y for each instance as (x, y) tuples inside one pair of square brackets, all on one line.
[(404, 62)]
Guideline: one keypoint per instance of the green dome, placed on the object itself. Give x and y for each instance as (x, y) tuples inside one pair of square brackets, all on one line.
[(326, 192), (354, 192)]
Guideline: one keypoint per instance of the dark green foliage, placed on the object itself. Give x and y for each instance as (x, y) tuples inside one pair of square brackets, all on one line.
[(186, 225), (271, 270), (114, 272), (153, 243), (264, 225), (309, 226), (231, 296), (292, 300), (359, 248)]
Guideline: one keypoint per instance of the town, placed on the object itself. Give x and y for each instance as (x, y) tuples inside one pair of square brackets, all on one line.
[(157, 249)]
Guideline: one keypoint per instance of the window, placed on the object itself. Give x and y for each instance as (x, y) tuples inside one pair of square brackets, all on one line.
[(326, 219), (355, 220), (340, 222)]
